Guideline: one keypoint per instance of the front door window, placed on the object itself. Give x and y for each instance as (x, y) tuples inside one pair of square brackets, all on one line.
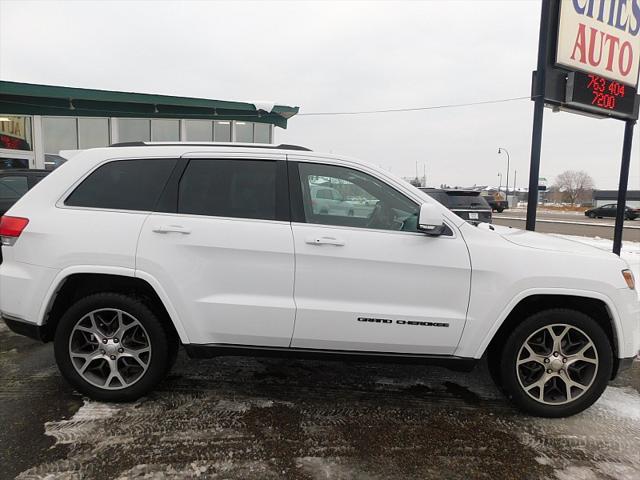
[(334, 195)]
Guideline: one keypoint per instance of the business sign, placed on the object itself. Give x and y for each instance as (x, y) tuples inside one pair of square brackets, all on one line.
[(597, 94), (13, 133), (601, 37)]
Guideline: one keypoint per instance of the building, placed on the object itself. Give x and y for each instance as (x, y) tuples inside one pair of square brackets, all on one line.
[(603, 197), (37, 121)]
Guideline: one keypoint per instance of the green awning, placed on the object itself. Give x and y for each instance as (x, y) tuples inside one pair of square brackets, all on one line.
[(32, 99)]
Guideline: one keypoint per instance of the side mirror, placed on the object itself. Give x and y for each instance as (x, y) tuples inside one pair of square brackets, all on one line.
[(430, 220)]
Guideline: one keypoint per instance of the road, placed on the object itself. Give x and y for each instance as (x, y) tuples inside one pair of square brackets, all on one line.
[(569, 224), (243, 418)]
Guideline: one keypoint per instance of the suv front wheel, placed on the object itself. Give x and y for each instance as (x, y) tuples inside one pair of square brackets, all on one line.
[(556, 363), (112, 347)]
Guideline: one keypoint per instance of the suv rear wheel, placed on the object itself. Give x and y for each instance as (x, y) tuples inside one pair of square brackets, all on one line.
[(112, 347), (556, 363)]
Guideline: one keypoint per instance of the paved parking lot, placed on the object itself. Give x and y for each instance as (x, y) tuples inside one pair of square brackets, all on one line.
[(568, 223), (241, 418)]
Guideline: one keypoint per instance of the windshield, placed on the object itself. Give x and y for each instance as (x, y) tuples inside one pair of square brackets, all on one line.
[(459, 199), (471, 200)]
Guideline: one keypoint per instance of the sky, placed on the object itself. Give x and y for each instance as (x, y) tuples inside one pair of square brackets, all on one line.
[(332, 57)]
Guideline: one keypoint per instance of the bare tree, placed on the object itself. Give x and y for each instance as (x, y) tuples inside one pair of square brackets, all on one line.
[(576, 186)]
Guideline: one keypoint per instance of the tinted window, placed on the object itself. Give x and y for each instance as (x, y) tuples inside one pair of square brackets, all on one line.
[(441, 197), (229, 188), (358, 200), (13, 187), (470, 201), (124, 185)]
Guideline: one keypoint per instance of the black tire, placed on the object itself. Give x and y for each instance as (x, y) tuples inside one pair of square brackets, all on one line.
[(592, 215), (162, 352), (500, 210), (523, 331)]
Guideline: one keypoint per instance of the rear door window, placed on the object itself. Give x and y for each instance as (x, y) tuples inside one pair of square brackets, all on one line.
[(466, 201), (230, 188), (12, 187), (124, 185)]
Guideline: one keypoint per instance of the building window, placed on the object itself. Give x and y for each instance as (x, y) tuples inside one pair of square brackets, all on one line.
[(134, 130), (164, 130), (15, 132), (244, 132), (222, 131), (59, 133), (199, 130), (93, 132), (262, 133)]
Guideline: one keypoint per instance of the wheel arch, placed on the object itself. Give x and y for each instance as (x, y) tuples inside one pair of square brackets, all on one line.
[(596, 306), (73, 284)]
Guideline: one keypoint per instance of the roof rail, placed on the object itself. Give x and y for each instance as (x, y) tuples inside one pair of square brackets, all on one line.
[(282, 146)]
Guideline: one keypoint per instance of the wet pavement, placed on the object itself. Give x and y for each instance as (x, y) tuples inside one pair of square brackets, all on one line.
[(244, 418)]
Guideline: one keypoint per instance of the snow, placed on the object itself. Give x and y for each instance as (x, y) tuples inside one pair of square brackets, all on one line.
[(264, 105)]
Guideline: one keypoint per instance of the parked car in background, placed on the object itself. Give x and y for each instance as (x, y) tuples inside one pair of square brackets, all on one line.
[(467, 204), (496, 202), (610, 210), (329, 201), (16, 182)]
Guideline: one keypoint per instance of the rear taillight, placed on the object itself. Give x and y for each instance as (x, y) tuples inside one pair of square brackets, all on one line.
[(11, 228)]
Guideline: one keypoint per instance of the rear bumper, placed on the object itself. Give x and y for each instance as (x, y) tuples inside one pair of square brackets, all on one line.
[(27, 329), (23, 287)]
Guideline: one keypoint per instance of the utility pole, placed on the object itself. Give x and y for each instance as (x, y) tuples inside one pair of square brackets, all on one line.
[(500, 150)]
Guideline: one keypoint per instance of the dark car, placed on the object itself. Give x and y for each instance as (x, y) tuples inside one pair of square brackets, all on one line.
[(610, 209), (467, 204), (497, 204), (15, 182)]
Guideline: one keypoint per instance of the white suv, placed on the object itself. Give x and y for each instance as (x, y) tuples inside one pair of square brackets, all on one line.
[(124, 253)]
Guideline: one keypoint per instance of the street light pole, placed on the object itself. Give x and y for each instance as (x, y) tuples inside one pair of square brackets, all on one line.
[(500, 150)]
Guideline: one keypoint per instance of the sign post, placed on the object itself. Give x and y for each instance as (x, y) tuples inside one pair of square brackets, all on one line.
[(588, 63), (538, 113), (622, 185)]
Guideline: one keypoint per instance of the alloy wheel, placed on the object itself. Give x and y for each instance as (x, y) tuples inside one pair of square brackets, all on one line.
[(110, 348), (557, 364)]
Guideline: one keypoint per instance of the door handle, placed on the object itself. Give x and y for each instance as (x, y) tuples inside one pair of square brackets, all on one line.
[(325, 241), (172, 229)]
